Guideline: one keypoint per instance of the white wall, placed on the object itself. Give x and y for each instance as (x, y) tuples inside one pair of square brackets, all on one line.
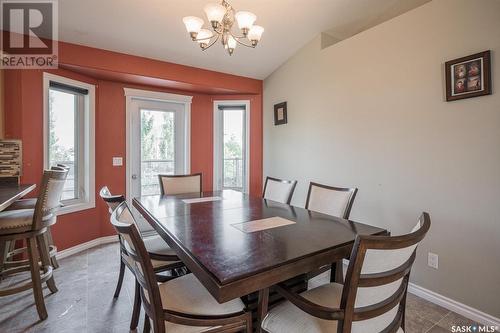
[(370, 112)]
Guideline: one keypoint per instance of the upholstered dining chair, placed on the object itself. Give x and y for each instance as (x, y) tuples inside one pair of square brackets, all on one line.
[(180, 184), (163, 258), (372, 299), (279, 190), (30, 204), (32, 225), (175, 305), (330, 200)]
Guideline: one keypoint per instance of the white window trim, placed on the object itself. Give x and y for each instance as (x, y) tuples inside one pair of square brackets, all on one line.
[(89, 146), (130, 95), (218, 144)]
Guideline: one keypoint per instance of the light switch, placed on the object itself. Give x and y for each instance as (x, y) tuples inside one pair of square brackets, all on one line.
[(117, 161)]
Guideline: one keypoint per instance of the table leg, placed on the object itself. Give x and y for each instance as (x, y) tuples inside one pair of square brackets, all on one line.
[(262, 308), (337, 272)]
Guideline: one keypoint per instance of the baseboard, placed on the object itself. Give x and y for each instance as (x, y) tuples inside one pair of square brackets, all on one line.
[(85, 246), (448, 303), (452, 305)]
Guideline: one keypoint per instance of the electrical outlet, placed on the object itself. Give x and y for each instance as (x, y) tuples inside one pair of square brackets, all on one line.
[(433, 260)]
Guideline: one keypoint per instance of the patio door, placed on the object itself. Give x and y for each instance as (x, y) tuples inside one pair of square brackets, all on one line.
[(157, 145)]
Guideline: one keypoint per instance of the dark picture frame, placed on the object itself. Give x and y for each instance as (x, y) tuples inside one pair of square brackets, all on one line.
[(280, 114), (468, 77)]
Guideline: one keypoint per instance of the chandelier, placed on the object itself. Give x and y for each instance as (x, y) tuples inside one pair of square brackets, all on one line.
[(222, 18)]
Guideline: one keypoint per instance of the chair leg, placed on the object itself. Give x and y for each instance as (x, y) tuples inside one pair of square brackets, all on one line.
[(3, 254), (35, 278), (147, 324), (120, 279), (249, 323), (50, 243), (45, 256), (136, 312)]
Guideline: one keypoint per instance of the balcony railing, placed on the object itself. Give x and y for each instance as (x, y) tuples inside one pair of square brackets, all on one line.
[(233, 173), (149, 174)]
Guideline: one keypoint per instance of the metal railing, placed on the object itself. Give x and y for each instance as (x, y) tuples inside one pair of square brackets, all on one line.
[(233, 173), (150, 169)]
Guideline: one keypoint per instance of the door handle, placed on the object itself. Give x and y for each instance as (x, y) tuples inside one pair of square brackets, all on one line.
[(134, 176)]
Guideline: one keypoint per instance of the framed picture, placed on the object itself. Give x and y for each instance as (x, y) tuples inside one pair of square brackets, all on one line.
[(468, 76), (280, 116)]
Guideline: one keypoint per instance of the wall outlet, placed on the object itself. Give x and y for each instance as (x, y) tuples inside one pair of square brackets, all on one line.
[(117, 161), (433, 260)]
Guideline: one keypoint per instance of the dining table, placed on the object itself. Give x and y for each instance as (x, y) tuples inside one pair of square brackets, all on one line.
[(239, 246), (10, 192)]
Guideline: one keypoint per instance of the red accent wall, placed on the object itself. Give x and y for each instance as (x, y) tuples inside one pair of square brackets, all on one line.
[(24, 118)]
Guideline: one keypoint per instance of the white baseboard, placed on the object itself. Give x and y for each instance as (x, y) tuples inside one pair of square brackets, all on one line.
[(85, 246), (452, 305), (448, 303)]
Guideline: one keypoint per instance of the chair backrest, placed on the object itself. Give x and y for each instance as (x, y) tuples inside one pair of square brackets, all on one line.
[(279, 190), (111, 200), (49, 198), (140, 262), (330, 200), (180, 184), (374, 293)]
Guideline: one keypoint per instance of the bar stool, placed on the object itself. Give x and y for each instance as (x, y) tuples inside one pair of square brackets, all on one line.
[(30, 204), (32, 225)]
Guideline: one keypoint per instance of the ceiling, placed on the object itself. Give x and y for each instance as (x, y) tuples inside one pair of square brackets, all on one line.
[(154, 28)]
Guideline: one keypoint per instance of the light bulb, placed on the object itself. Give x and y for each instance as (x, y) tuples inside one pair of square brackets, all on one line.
[(245, 20)]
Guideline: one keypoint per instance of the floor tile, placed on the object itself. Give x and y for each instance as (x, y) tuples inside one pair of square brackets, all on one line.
[(85, 303)]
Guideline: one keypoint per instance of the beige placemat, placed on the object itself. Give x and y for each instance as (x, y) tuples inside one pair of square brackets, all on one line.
[(205, 199), (259, 225)]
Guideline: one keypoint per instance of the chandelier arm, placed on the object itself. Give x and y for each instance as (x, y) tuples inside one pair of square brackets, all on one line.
[(241, 43), (212, 43)]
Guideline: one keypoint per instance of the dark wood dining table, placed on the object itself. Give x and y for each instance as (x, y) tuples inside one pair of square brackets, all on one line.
[(231, 263), (11, 192)]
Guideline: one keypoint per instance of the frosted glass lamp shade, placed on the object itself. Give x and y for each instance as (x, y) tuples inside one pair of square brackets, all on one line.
[(255, 33), (215, 12), (193, 24), (231, 42), (203, 36), (245, 20)]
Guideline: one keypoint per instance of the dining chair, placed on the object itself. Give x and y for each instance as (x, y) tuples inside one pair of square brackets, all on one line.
[(279, 190), (333, 201), (372, 299), (180, 184), (30, 204), (175, 305), (330, 200), (163, 258), (32, 225)]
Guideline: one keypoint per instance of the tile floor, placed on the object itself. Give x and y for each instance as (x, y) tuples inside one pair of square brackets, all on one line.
[(85, 303)]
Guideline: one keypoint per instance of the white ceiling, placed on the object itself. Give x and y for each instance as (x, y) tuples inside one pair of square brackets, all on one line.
[(154, 28)]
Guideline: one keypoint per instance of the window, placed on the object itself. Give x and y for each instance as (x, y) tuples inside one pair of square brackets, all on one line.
[(231, 140), (69, 137)]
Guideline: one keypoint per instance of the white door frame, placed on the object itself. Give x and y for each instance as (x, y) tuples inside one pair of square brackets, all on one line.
[(218, 144), (130, 95)]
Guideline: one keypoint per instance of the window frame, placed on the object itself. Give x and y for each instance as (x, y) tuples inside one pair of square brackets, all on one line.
[(85, 133)]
